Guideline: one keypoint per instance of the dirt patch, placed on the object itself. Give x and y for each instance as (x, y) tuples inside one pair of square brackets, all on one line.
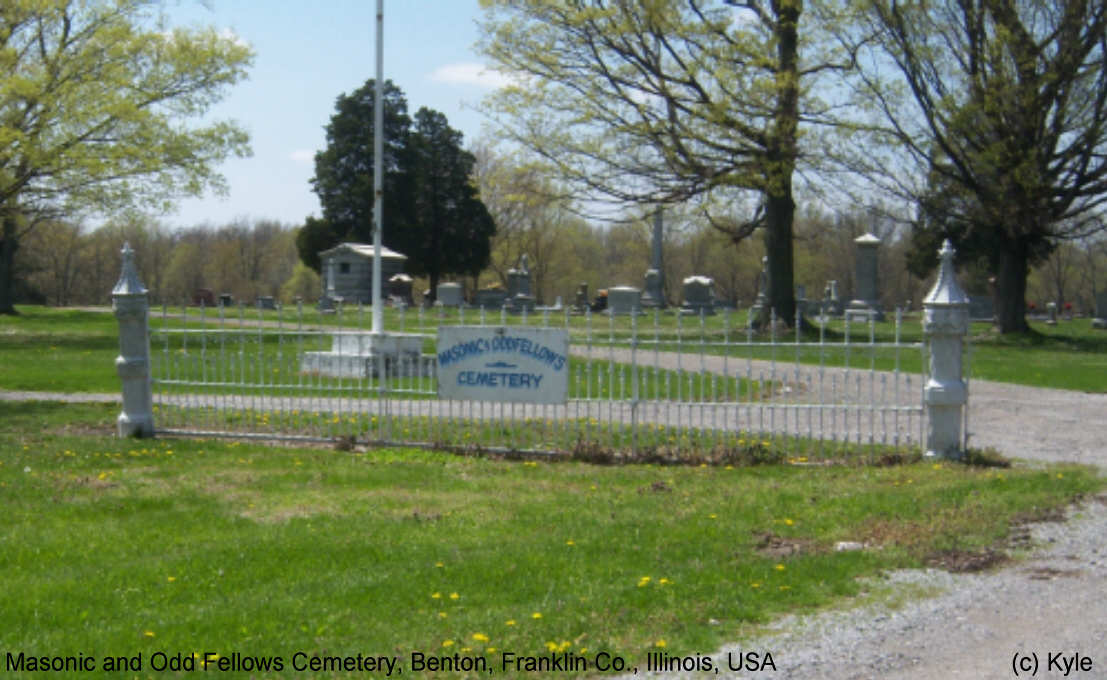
[(772, 546), (966, 561), (656, 487), (1051, 573)]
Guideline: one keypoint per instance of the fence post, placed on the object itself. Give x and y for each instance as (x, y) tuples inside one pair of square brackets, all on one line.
[(945, 324), (129, 304)]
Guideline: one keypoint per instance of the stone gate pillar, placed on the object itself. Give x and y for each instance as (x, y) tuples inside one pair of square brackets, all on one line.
[(945, 324), (129, 304)]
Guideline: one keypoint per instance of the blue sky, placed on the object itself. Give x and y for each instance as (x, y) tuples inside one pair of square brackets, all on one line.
[(307, 54)]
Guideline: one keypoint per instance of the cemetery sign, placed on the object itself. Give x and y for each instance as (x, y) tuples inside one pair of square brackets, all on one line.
[(505, 364)]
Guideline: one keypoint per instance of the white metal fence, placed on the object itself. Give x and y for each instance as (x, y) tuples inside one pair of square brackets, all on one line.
[(657, 384)]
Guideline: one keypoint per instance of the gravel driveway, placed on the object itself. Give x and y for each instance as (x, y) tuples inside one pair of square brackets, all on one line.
[(1052, 605)]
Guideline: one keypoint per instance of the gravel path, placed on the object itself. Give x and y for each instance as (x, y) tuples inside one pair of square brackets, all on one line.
[(1050, 605)]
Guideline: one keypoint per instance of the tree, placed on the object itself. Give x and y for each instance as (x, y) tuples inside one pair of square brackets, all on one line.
[(450, 230), (431, 210), (1007, 124), (343, 177), (92, 104), (669, 101)]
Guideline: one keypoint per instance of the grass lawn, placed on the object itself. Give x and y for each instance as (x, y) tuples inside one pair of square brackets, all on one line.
[(189, 548)]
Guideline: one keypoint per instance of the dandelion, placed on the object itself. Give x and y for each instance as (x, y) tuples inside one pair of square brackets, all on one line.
[(644, 581), (570, 542), (171, 578), (755, 584), (937, 466), (454, 596), (447, 643), (536, 615), (439, 565), (441, 615), (713, 516), (785, 587), (149, 633), (436, 596), (480, 637), (788, 521), (779, 567), (490, 650), (660, 643), (1060, 476), (510, 622), (664, 582)]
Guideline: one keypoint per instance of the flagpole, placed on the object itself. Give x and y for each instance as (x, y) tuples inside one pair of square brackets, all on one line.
[(378, 150)]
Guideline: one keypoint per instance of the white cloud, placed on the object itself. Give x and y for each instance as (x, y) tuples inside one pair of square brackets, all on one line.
[(470, 73), (229, 34), (302, 155)]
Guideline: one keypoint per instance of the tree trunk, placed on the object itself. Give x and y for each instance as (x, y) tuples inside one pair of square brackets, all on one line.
[(779, 215), (1014, 255), (8, 246), (432, 294)]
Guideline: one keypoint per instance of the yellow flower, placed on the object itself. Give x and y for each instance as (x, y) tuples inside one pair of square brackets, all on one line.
[(439, 565), (779, 567), (441, 615), (713, 516), (755, 584), (1060, 476), (447, 643), (454, 596), (536, 615), (480, 637), (643, 581), (664, 582), (789, 521), (510, 622), (660, 643), (171, 579), (436, 596), (149, 633), (570, 542), (490, 650)]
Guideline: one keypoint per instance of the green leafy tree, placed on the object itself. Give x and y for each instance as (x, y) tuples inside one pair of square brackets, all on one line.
[(343, 177), (93, 99), (432, 212), (670, 101), (1004, 121)]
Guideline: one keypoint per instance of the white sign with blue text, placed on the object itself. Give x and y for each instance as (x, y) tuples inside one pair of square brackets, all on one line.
[(499, 363)]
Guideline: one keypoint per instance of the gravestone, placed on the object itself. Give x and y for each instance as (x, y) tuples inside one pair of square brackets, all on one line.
[(519, 295), (653, 295), (1052, 309), (449, 295), (624, 300), (490, 298), (1100, 320), (866, 300), (981, 308), (399, 290), (226, 300), (266, 302), (699, 295), (580, 303)]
